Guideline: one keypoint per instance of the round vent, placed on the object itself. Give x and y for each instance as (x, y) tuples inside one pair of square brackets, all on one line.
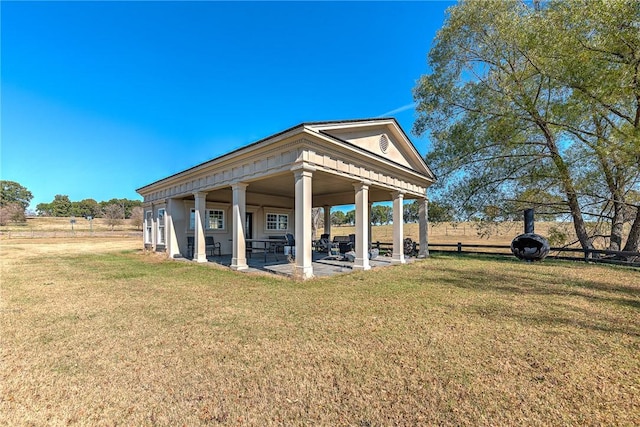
[(384, 143)]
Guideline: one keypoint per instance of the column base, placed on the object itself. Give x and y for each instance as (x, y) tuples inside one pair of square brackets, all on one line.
[(239, 264), (398, 259), (361, 264), (302, 272), (202, 258)]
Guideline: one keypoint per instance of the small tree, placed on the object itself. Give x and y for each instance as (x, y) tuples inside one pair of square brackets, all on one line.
[(113, 214), (337, 218), (137, 217)]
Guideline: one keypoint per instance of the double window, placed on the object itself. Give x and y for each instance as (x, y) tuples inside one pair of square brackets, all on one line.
[(213, 219), (277, 221)]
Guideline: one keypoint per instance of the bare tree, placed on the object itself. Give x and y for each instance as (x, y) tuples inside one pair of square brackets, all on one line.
[(13, 212), (113, 214), (137, 217), (316, 217)]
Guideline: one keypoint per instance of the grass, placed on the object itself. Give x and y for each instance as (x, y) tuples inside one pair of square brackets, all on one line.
[(101, 333)]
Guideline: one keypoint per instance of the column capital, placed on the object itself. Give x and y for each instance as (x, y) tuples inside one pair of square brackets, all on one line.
[(363, 185), (398, 194), (303, 169), (239, 185), (200, 194)]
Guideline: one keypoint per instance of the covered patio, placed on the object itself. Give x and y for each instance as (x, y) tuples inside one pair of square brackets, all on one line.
[(267, 189), (323, 264)]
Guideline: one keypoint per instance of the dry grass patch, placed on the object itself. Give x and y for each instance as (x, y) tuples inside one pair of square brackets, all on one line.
[(129, 338)]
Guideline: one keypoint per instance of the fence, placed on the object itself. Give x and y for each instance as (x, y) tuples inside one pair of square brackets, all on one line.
[(39, 234), (627, 258), (631, 259)]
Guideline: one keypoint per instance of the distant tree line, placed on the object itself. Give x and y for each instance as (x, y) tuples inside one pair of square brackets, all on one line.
[(382, 214), (15, 198), (62, 206)]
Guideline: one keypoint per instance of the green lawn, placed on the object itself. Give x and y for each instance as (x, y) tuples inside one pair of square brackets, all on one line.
[(132, 339)]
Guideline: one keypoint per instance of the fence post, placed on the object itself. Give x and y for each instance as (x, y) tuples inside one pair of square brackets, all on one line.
[(459, 247)]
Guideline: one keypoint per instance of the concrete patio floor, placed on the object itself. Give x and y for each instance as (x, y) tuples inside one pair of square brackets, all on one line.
[(323, 264)]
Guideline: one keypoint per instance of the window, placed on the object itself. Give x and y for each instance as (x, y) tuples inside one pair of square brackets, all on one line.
[(192, 219), (148, 224), (161, 226), (277, 221), (213, 219)]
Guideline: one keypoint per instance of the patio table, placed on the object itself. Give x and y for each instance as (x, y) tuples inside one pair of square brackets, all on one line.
[(268, 245)]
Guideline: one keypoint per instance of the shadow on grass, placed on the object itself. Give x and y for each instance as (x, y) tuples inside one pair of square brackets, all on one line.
[(633, 291), (515, 281)]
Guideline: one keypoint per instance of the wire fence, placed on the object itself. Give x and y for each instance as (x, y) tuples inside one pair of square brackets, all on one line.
[(39, 234)]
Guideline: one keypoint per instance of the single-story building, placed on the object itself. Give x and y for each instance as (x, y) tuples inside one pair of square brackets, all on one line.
[(269, 188)]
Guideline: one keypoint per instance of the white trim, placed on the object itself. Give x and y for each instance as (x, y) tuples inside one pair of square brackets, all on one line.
[(207, 226), (278, 221)]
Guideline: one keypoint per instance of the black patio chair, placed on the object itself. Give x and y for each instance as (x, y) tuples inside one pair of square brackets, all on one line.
[(190, 244), (212, 245)]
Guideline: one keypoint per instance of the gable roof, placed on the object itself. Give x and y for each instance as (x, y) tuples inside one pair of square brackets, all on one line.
[(331, 129), (345, 131)]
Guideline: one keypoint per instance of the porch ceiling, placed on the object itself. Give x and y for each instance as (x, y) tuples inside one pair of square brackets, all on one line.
[(327, 189)]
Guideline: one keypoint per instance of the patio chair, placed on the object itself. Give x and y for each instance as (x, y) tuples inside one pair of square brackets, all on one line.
[(212, 245), (291, 242), (343, 243), (278, 246), (323, 244), (190, 244)]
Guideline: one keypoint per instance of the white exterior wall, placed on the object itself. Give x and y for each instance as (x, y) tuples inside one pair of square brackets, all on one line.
[(394, 167)]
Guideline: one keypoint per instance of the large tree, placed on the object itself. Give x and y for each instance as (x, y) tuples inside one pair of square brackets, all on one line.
[(61, 205), (11, 192), (508, 121), (598, 59)]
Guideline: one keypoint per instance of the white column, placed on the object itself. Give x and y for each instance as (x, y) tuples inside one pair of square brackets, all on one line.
[(199, 245), (370, 226), (397, 256), (423, 226), (239, 253), (327, 219), (303, 180), (362, 226), (154, 228), (173, 248)]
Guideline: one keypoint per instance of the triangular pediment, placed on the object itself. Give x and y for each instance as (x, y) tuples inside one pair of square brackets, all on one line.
[(381, 137)]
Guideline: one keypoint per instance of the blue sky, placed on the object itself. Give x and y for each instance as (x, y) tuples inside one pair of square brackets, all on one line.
[(95, 94)]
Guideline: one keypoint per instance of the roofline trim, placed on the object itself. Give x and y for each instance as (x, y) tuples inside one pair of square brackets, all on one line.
[(302, 127)]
